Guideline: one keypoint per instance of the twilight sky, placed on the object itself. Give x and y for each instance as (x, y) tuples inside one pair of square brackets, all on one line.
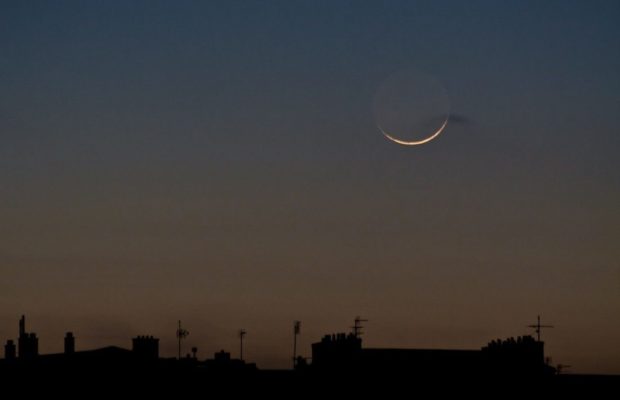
[(218, 162)]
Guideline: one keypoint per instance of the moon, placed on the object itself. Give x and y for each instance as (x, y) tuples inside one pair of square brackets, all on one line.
[(411, 107), (418, 142)]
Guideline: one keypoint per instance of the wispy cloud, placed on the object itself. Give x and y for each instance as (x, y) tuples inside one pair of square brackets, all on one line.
[(460, 119)]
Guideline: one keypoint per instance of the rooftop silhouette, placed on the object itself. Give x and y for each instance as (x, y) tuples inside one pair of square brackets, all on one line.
[(339, 359), (340, 354)]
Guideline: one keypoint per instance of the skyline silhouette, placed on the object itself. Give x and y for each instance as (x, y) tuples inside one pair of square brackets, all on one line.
[(335, 351), (338, 362), (523, 355)]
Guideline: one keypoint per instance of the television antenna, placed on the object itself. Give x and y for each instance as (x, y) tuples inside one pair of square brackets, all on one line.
[(181, 334), (296, 332), (538, 328), (357, 326)]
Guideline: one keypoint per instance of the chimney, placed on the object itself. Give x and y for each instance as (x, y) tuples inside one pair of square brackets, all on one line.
[(146, 347), (22, 326), (69, 343), (28, 343), (9, 350)]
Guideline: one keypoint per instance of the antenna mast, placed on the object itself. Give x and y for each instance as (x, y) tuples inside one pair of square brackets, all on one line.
[(181, 334), (537, 328), (296, 332), (357, 327)]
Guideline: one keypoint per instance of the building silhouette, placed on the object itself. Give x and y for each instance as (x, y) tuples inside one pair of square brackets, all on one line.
[(338, 360), (144, 355), (344, 353), (340, 353)]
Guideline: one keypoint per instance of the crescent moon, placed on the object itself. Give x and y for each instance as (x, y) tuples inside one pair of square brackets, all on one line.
[(415, 143)]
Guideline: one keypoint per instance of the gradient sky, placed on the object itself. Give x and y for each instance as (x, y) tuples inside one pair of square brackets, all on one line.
[(218, 162)]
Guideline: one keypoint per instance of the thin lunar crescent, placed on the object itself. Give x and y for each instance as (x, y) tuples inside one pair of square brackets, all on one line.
[(415, 143)]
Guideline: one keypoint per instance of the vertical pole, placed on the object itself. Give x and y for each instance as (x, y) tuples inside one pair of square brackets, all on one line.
[(241, 345), (294, 349), (241, 335), (296, 331)]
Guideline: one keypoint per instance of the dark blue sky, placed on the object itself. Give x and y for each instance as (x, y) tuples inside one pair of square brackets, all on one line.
[(162, 160)]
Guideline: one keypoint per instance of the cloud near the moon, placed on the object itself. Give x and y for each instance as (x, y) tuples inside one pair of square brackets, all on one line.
[(459, 119), (453, 119)]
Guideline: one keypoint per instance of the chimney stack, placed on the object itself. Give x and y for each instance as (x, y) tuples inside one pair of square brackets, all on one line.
[(22, 326), (69, 343), (28, 343), (9, 350)]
